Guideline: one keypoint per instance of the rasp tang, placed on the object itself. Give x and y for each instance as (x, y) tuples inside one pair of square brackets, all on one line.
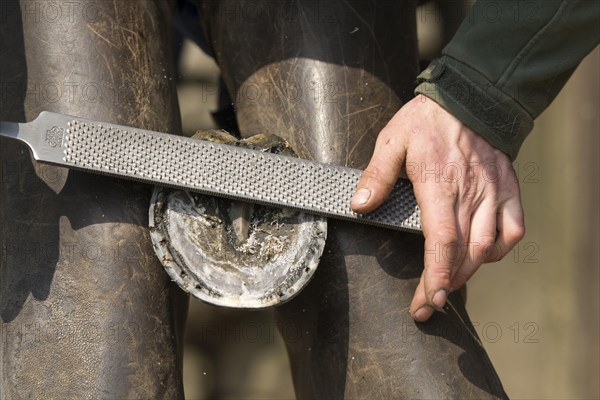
[(209, 168)]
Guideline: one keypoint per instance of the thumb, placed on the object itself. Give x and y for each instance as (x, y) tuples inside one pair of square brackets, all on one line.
[(380, 176)]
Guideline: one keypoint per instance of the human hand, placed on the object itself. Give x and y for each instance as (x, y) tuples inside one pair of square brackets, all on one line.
[(466, 189)]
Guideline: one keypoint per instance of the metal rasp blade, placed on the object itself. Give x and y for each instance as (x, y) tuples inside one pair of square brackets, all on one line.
[(209, 168)]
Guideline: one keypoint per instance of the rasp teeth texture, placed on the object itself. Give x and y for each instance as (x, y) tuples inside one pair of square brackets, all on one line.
[(231, 172)]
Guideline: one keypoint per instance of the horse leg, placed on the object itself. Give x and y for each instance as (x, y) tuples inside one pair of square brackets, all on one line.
[(327, 76), (86, 308)]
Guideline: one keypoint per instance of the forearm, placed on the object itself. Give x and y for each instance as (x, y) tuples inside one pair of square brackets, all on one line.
[(508, 62)]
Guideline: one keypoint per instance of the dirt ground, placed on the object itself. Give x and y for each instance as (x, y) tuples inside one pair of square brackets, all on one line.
[(537, 311)]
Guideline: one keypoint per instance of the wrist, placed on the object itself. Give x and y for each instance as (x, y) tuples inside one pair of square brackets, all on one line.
[(475, 101)]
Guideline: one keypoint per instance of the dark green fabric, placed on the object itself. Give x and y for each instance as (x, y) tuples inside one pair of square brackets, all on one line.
[(508, 61)]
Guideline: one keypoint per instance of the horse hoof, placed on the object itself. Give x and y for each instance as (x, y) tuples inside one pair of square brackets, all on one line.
[(231, 253)]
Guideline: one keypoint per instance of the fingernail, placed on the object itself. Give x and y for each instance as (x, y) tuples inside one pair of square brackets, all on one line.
[(361, 196), (422, 314), (439, 298)]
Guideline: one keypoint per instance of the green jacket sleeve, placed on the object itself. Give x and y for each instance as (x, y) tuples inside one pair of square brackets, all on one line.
[(508, 61)]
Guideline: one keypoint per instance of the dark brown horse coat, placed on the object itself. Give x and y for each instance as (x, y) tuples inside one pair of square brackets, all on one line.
[(86, 309)]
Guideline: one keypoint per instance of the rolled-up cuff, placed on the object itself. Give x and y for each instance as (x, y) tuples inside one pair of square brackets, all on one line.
[(474, 100)]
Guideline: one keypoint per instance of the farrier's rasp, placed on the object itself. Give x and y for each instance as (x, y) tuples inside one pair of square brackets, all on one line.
[(208, 168)]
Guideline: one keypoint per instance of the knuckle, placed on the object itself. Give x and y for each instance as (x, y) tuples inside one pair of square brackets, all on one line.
[(374, 174), (516, 234), (495, 253), (460, 279), (438, 273), (492, 190), (445, 235), (495, 256), (479, 254)]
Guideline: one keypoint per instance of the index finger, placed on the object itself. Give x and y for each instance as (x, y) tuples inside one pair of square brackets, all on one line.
[(442, 250)]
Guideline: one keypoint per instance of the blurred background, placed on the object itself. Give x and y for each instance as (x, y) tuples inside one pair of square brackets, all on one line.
[(537, 311)]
